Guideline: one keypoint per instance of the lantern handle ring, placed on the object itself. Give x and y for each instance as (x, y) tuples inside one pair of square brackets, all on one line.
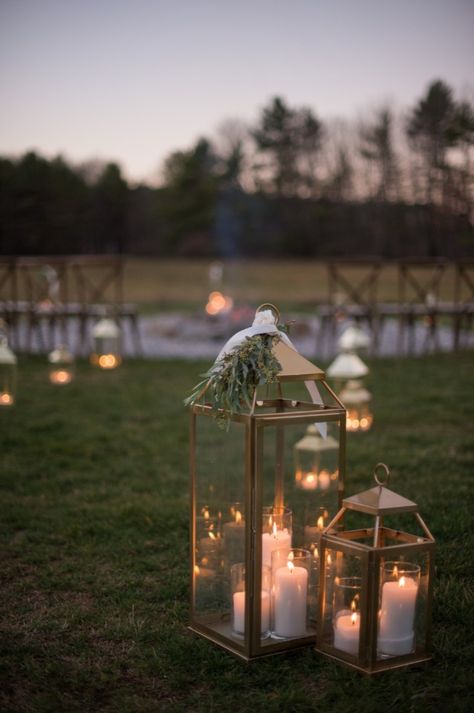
[(269, 305), (387, 474)]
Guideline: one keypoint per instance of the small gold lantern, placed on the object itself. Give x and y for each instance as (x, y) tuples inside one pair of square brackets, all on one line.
[(347, 369), (257, 598), (356, 398), (376, 583), (7, 370), (61, 369), (315, 461), (106, 350)]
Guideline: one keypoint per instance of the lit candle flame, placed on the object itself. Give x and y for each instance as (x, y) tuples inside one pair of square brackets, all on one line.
[(196, 569), (320, 523), (6, 399), (108, 361), (310, 478), (274, 529), (354, 618), (291, 556), (353, 605), (212, 536), (290, 566), (402, 582), (395, 572), (328, 559), (238, 516)]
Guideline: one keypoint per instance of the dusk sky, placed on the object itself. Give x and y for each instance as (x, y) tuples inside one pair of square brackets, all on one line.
[(133, 80)]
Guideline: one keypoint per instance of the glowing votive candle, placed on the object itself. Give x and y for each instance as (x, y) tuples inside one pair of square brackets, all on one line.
[(275, 540), (347, 631), (239, 612), (290, 600), (397, 614)]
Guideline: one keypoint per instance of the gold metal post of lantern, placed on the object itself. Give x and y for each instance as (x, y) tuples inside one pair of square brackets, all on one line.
[(376, 582), (254, 596), (61, 366), (106, 349), (7, 369)]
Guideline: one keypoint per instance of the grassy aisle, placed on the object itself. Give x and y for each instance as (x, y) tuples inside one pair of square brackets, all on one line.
[(94, 547)]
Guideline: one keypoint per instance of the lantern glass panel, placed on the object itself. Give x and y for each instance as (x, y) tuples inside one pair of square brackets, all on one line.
[(343, 572), (219, 521)]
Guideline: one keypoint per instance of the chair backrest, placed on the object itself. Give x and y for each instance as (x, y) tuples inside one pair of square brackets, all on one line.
[(98, 280), (8, 281), (419, 281), (42, 281), (464, 283), (353, 282)]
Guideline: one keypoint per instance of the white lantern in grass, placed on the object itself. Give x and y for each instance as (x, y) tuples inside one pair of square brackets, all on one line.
[(61, 370), (356, 398), (7, 372), (106, 351)]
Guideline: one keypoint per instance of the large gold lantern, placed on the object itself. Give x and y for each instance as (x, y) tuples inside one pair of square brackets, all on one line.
[(106, 349), (376, 583), (7, 371), (61, 366), (252, 587)]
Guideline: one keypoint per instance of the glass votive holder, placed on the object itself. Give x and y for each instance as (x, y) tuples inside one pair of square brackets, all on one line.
[(346, 614), (233, 533), (316, 520), (291, 572), (209, 543), (399, 586), (237, 578), (276, 531)]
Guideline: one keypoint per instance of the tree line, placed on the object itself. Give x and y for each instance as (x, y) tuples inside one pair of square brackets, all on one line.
[(290, 184)]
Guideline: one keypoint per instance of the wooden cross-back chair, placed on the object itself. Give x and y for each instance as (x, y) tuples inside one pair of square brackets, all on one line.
[(9, 296), (419, 283), (352, 293), (43, 294), (98, 288), (463, 298)]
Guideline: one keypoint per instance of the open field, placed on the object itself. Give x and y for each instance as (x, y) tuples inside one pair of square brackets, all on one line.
[(94, 548), (161, 284)]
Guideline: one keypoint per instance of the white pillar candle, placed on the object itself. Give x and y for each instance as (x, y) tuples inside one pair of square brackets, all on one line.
[(275, 540), (347, 632), (290, 600), (239, 613), (397, 614)]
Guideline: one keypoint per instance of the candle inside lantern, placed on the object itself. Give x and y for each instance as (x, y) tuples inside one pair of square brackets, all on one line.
[(274, 540), (309, 481), (397, 615), (324, 480), (347, 630), (239, 612), (234, 538), (290, 601), (6, 399), (60, 376), (312, 533)]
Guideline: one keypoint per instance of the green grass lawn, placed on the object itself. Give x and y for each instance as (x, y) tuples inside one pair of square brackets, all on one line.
[(94, 548)]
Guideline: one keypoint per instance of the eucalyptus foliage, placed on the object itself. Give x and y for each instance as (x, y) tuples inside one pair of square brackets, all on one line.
[(230, 383)]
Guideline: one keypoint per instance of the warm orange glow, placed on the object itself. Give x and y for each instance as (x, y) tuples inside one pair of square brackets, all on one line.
[(108, 361), (395, 572), (354, 618), (320, 523), (314, 551), (291, 556), (310, 477), (196, 569), (238, 516), (60, 376), (356, 422), (217, 303), (274, 529), (290, 566), (206, 514), (402, 582), (6, 399), (328, 560), (353, 605), (212, 536)]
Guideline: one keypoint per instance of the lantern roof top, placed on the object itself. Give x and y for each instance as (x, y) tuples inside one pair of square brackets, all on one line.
[(313, 441), (353, 338), (295, 367), (347, 366), (379, 500)]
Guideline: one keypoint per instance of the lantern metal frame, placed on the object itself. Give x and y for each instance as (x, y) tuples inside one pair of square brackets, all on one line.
[(377, 502), (285, 412)]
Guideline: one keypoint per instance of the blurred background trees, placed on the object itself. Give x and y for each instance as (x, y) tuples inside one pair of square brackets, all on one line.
[(290, 184)]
